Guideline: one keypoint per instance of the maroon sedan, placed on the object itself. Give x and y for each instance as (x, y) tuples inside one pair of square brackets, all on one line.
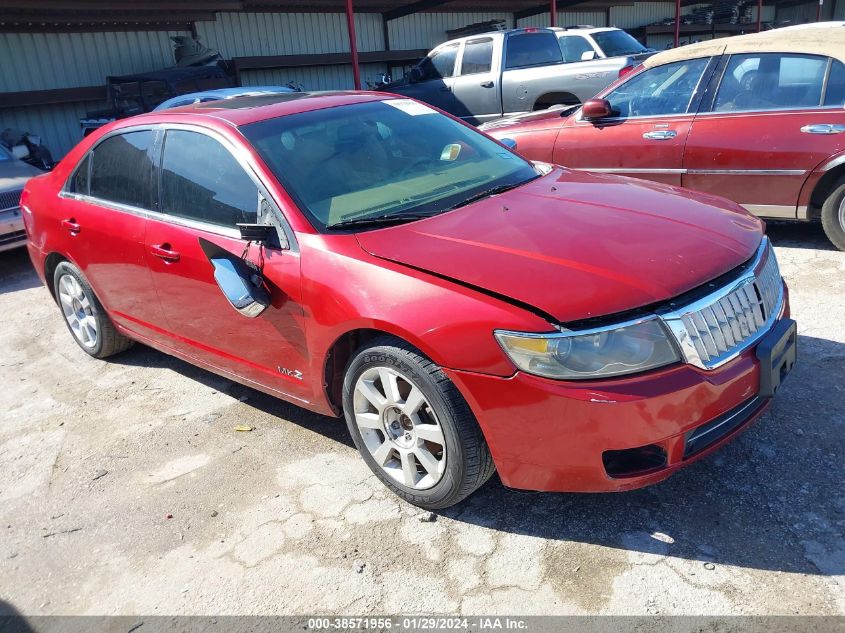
[(756, 118), (465, 309)]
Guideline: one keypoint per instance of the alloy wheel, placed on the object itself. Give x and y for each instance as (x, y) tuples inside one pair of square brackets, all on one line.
[(842, 214), (399, 428), (78, 311)]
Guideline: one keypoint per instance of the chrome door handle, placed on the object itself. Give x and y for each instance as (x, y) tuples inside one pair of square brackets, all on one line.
[(163, 251), (823, 128), (660, 135)]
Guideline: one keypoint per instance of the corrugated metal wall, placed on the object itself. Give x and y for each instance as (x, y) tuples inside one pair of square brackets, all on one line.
[(41, 61)]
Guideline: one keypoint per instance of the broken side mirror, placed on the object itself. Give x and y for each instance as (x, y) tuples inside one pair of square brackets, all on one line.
[(239, 281)]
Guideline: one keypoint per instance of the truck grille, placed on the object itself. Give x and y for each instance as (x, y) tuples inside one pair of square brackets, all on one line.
[(10, 199), (718, 327)]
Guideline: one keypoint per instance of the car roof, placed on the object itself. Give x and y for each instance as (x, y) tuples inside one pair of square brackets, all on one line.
[(250, 109), (822, 40)]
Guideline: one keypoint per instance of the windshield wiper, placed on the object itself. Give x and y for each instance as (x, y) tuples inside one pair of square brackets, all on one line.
[(379, 220), (492, 191)]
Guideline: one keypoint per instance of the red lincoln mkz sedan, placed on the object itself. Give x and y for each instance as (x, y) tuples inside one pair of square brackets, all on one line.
[(467, 310)]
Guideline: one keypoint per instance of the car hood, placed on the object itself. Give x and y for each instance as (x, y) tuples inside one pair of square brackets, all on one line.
[(15, 173), (575, 245)]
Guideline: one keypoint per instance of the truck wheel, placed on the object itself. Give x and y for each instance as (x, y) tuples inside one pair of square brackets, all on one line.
[(412, 426), (833, 216), (84, 314)]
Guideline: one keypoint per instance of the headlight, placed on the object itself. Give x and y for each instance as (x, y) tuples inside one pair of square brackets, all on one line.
[(597, 353)]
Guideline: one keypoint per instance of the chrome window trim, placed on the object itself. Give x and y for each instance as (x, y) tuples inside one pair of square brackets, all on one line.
[(239, 153), (726, 172), (796, 110), (672, 317)]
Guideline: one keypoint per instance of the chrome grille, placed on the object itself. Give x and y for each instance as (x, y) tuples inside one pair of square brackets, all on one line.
[(715, 329), (10, 199)]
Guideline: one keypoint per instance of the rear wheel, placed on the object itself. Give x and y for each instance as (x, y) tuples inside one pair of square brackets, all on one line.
[(84, 315), (833, 216), (412, 426)]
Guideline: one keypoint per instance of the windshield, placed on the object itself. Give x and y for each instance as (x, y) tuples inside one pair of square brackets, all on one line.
[(381, 159), (617, 43)]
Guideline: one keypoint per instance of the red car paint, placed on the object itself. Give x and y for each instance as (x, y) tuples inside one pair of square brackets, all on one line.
[(568, 246), (764, 159)]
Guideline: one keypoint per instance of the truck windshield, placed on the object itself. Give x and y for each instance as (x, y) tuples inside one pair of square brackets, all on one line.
[(618, 43), (382, 160)]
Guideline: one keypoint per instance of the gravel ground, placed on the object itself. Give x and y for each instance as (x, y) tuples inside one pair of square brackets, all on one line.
[(124, 489)]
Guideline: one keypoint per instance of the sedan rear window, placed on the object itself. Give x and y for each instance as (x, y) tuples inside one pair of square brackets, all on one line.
[(381, 158), (121, 169)]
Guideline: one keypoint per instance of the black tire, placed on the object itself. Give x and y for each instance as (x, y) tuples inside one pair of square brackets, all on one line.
[(108, 340), (468, 461), (833, 219)]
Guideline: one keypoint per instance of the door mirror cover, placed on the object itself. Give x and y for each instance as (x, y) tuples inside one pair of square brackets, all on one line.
[(415, 75), (596, 109), (240, 282)]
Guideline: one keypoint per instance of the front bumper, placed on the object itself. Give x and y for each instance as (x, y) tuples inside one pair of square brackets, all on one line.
[(611, 435), (12, 233)]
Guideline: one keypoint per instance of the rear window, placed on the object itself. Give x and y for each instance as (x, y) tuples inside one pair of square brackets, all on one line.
[(478, 56), (121, 169), (532, 49), (618, 43)]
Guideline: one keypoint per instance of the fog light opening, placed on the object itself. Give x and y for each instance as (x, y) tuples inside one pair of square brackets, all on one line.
[(633, 462)]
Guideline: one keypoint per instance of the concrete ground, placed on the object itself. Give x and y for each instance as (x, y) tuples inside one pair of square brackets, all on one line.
[(124, 489)]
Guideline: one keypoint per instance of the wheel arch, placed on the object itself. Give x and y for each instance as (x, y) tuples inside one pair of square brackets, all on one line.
[(823, 187), (340, 352), (555, 98), (51, 262)]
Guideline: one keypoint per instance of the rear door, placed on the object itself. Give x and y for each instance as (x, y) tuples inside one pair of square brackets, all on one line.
[(103, 218), (477, 85), (645, 136), (204, 192), (525, 75), (773, 118)]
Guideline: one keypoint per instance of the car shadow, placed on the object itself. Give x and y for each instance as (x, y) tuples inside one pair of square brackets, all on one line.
[(809, 235), (16, 271), (12, 620)]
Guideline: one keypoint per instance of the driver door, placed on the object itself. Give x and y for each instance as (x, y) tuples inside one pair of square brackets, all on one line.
[(204, 192), (645, 136), (436, 81)]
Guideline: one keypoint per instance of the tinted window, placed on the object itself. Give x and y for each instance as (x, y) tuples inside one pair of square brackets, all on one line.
[(659, 91), (835, 94), (478, 56), (771, 81), (616, 43), (121, 169), (573, 46), (79, 183), (201, 180), (440, 64), (532, 49)]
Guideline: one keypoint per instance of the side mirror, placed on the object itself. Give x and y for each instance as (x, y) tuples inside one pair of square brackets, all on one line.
[(596, 109), (20, 152), (588, 55), (415, 74), (258, 233), (241, 285), (508, 142)]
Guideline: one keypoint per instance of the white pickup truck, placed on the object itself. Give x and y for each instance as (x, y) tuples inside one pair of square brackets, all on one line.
[(487, 76)]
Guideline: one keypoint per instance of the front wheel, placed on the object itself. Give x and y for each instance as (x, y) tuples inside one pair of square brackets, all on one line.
[(833, 216), (412, 426)]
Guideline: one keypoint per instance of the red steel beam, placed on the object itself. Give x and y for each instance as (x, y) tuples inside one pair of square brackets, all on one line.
[(552, 12), (353, 46), (759, 15)]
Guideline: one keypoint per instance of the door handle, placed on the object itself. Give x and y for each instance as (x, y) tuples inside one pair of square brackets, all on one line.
[(487, 84), (164, 251), (71, 225), (660, 135), (445, 89), (823, 128)]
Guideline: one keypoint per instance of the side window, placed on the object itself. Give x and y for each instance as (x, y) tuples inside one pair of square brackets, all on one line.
[(121, 169), (659, 91), (440, 63), (478, 56), (835, 93), (534, 48), (574, 47), (771, 81), (79, 182), (201, 180)]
